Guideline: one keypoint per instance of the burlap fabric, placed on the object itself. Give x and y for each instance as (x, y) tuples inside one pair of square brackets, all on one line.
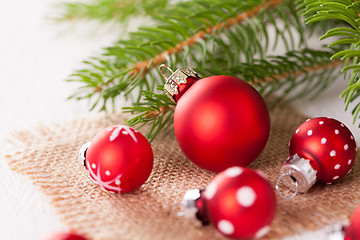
[(49, 157)]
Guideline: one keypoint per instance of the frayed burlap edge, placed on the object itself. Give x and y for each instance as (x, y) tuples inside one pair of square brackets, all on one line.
[(48, 155)]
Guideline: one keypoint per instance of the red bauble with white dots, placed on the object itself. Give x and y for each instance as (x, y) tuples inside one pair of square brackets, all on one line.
[(220, 122), (328, 144), (321, 149), (119, 159), (239, 202), (352, 232), (64, 236)]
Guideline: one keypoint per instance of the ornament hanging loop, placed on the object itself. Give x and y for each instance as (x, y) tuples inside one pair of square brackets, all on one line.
[(278, 188), (167, 67)]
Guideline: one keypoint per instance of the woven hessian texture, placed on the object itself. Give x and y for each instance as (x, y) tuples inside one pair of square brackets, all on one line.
[(49, 157)]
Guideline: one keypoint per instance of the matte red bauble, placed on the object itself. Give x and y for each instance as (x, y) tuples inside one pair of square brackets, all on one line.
[(119, 159), (219, 121), (321, 150), (238, 202)]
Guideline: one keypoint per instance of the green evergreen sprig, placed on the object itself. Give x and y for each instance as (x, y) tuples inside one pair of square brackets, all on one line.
[(347, 36), (109, 10), (213, 37), (185, 34)]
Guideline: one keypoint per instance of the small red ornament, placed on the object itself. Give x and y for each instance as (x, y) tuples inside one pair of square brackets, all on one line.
[(239, 202), (349, 232), (64, 236), (321, 149), (219, 121), (119, 159)]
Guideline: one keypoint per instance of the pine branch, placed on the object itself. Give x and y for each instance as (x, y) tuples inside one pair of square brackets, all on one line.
[(298, 74), (107, 10), (203, 34), (207, 23), (348, 12)]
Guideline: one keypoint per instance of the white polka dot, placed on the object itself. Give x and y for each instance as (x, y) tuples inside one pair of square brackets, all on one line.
[(107, 173), (210, 191), (333, 153), (337, 166), (262, 232), (336, 177), (117, 182), (93, 165), (351, 137), (245, 196), (226, 227), (342, 125), (307, 120), (233, 171), (323, 140), (346, 147), (297, 131), (336, 131), (321, 122), (349, 162), (309, 133)]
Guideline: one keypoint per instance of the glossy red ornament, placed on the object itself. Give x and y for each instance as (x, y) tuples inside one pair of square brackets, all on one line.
[(239, 202), (321, 149), (65, 236), (119, 159), (220, 121)]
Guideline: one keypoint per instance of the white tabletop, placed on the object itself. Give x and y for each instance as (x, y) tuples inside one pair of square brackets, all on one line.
[(36, 55)]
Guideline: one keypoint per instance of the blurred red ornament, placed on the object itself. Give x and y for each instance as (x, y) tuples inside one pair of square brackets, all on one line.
[(119, 159), (239, 202), (65, 236), (219, 121), (321, 149), (352, 232)]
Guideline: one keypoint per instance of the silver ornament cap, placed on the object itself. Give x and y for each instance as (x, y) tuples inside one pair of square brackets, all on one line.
[(336, 232), (189, 203), (301, 175)]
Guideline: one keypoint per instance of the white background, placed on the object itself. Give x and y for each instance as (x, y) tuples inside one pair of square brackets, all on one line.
[(36, 55)]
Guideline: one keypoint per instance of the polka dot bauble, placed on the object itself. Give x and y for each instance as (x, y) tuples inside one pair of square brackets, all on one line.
[(219, 121), (321, 150), (239, 202), (119, 159)]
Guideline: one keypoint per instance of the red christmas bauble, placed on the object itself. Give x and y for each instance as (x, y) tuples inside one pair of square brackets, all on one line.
[(321, 149), (220, 122), (352, 232), (64, 236), (328, 144), (239, 202), (119, 159)]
